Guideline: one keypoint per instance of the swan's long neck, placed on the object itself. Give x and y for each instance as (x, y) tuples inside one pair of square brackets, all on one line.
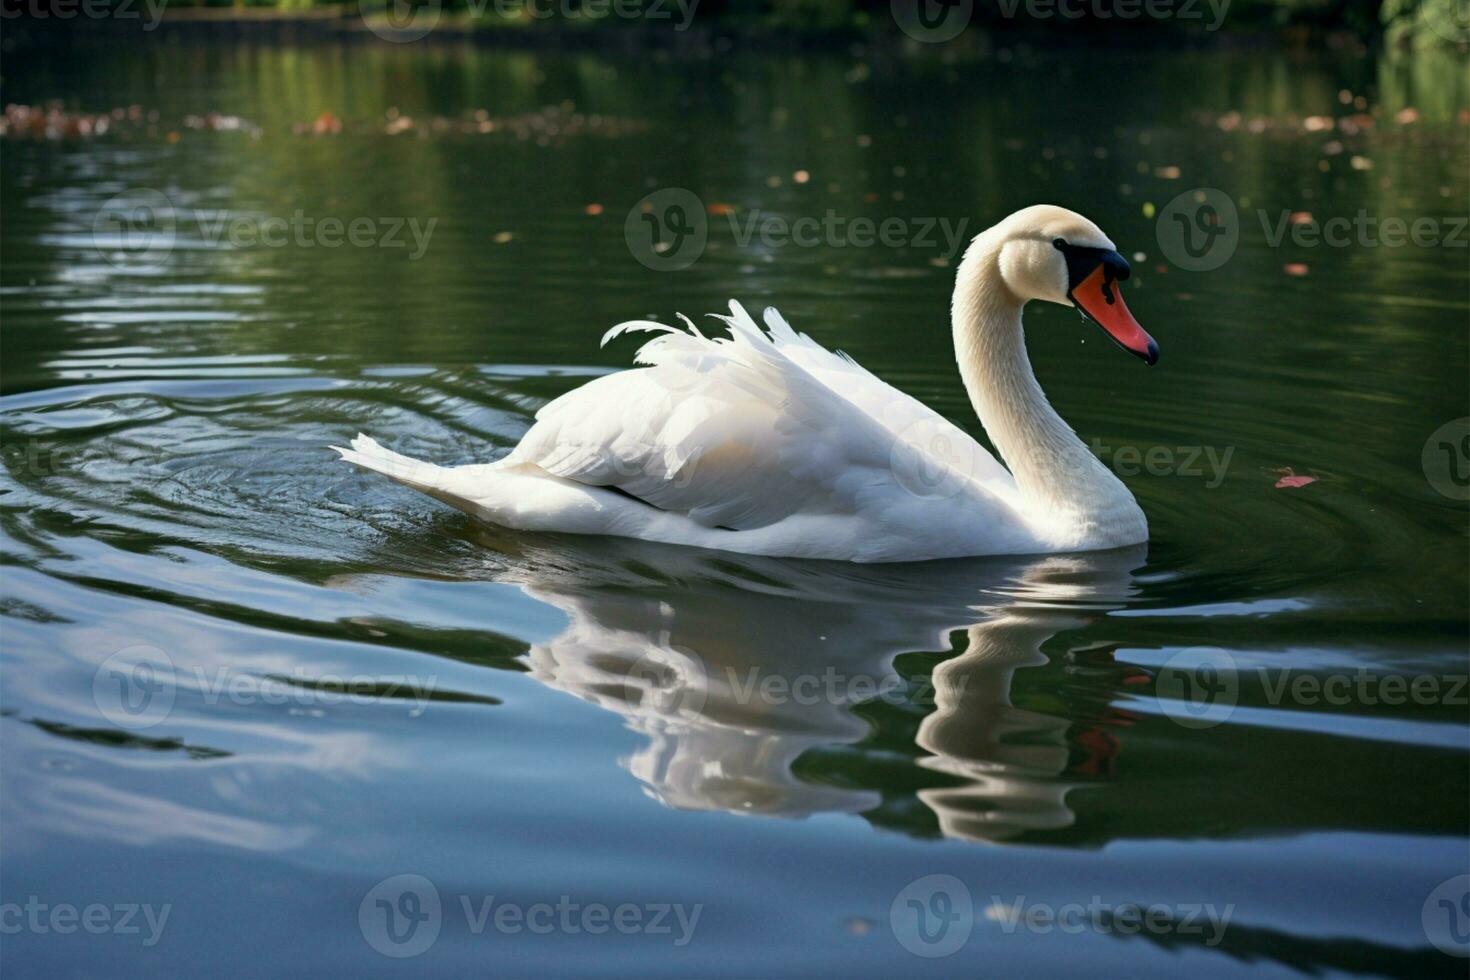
[(1060, 480)]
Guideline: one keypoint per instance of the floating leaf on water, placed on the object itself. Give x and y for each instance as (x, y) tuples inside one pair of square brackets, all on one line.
[(326, 124), (1291, 480)]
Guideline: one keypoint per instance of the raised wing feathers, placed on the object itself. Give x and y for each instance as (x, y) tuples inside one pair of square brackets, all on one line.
[(740, 431)]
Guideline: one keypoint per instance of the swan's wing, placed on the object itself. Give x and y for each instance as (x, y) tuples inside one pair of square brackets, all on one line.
[(900, 413), (736, 433)]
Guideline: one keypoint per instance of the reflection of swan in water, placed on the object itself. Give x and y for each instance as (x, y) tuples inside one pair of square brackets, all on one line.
[(1008, 757), (735, 667)]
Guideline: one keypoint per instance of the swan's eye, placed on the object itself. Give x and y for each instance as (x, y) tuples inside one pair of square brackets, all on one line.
[(1082, 260)]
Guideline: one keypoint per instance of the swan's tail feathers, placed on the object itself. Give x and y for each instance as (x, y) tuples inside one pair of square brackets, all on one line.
[(405, 469)]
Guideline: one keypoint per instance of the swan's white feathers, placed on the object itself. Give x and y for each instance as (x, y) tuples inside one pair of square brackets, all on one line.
[(739, 432)]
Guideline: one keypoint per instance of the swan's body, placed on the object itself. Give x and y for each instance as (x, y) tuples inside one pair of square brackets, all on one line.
[(766, 443)]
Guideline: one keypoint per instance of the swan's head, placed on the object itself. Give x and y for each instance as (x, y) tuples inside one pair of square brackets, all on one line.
[(1049, 253)]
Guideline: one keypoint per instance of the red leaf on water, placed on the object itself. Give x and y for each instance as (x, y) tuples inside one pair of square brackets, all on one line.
[(1292, 480)]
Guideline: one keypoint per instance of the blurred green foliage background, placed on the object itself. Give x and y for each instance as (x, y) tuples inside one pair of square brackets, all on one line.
[(1403, 22)]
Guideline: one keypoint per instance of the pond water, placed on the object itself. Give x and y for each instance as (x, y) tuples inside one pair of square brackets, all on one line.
[(248, 687)]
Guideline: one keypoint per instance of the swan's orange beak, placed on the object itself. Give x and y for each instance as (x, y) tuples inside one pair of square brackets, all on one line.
[(1100, 300)]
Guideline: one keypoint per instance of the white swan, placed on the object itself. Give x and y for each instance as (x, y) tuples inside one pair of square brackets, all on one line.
[(769, 444)]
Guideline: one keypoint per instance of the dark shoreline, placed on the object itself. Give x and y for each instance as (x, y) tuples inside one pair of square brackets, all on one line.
[(343, 24)]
